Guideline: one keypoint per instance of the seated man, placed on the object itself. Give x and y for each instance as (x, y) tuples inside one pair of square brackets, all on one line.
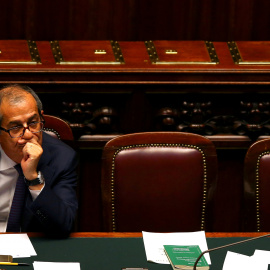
[(37, 171)]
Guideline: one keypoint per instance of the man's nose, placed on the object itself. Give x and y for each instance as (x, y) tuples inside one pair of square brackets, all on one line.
[(27, 133)]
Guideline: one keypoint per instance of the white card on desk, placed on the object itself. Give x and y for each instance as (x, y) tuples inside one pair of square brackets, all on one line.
[(16, 245), (236, 261), (56, 265)]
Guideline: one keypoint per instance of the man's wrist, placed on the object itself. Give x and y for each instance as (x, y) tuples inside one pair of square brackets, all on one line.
[(39, 180)]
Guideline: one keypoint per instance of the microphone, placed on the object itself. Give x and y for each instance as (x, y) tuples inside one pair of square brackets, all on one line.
[(228, 245)]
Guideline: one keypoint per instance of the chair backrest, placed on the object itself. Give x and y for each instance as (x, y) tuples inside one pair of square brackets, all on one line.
[(58, 128), (257, 187), (158, 181)]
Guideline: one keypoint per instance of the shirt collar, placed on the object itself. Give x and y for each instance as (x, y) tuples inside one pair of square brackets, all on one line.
[(5, 161)]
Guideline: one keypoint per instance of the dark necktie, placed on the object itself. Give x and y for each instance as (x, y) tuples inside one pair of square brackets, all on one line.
[(14, 219)]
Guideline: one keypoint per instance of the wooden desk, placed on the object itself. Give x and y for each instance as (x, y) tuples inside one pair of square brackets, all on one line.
[(138, 234), (113, 251)]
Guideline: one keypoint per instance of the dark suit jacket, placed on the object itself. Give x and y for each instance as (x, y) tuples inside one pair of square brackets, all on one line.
[(54, 210)]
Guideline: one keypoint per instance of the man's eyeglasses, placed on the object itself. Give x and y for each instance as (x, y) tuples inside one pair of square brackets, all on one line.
[(18, 131)]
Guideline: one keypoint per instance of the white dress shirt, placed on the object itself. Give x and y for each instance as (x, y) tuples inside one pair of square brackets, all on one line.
[(8, 179)]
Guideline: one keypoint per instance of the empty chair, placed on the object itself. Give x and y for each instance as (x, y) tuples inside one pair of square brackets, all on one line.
[(257, 187), (158, 181), (58, 128)]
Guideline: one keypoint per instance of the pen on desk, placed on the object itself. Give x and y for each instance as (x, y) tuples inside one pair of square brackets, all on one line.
[(13, 263)]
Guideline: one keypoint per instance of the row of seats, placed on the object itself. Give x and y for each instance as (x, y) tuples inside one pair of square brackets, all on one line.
[(166, 181)]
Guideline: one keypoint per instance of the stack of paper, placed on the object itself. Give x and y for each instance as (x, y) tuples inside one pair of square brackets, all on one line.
[(235, 261), (16, 245), (154, 244)]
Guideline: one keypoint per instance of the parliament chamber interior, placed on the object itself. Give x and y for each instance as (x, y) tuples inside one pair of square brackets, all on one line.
[(113, 68)]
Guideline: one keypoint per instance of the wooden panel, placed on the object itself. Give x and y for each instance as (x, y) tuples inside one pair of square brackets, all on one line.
[(135, 20), (19, 52), (254, 52), (181, 52), (250, 53), (87, 53)]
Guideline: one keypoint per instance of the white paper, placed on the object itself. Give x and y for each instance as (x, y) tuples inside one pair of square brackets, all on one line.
[(56, 265), (263, 255), (153, 244), (16, 245), (235, 261)]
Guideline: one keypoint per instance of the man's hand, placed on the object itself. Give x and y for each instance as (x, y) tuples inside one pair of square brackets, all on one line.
[(32, 152)]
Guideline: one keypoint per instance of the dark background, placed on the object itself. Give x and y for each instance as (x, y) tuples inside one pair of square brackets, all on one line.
[(135, 20)]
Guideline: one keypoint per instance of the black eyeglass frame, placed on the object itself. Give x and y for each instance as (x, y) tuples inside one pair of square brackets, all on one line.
[(24, 128)]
